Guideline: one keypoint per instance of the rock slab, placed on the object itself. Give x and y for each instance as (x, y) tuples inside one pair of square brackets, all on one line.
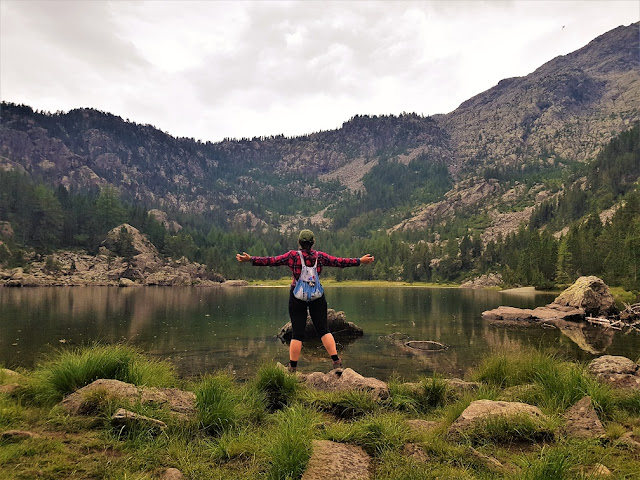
[(177, 401), (582, 420), (346, 379), (480, 410), (337, 461)]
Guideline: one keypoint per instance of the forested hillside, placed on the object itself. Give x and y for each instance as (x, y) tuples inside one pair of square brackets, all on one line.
[(605, 189)]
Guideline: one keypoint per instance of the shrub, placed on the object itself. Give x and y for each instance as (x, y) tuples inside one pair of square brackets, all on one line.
[(68, 370), (278, 387), (216, 402)]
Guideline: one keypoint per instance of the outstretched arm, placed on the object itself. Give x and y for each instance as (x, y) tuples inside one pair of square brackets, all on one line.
[(264, 261)]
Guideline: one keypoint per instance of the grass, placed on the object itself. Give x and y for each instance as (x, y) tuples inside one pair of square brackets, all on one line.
[(263, 429), (67, 370)]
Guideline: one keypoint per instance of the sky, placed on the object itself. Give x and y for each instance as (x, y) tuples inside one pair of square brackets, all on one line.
[(214, 69)]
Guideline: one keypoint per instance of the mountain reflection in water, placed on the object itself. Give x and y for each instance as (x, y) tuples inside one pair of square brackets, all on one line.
[(201, 330)]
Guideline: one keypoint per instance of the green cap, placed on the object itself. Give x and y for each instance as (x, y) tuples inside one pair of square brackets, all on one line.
[(305, 236)]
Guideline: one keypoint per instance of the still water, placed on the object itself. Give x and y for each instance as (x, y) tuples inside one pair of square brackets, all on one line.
[(201, 330)]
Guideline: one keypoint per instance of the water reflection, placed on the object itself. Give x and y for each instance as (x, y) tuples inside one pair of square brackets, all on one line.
[(206, 329)]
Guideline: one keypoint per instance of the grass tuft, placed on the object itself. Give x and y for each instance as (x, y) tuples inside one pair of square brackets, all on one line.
[(216, 401), (68, 370), (290, 442), (278, 387), (347, 405)]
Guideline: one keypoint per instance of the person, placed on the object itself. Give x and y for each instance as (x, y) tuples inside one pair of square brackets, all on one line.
[(298, 308)]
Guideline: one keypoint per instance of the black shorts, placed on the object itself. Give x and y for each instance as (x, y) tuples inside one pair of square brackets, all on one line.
[(298, 314)]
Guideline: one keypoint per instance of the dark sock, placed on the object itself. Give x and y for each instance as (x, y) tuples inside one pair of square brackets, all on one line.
[(293, 363), (335, 358)]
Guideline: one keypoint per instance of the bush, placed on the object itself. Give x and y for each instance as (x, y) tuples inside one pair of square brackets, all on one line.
[(278, 387), (69, 370)]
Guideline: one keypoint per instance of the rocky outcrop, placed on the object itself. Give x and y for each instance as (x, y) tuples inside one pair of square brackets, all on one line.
[(5, 230), (147, 267), (479, 411), (541, 314), (617, 371), (484, 281), (581, 421), (339, 380), (162, 217), (81, 401), (590, 294), (338, 326), (331, 460), (464, 195)]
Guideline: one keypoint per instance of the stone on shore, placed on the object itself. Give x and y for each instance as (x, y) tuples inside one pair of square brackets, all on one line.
[(339, 380), (338, 326), (617, 371), (80, 402), (172, 474), (582, 420), (13, 436), (337, 461), (480, 411)]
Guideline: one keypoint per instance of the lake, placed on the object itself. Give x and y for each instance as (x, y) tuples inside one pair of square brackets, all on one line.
[(201, 330)]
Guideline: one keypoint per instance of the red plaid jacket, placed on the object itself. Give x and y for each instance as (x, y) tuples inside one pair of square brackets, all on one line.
[(292, 260)]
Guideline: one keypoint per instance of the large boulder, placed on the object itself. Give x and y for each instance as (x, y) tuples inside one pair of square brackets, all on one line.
[(617, 371), (146, 256), (82, 401), (331, 460), (589, 293), (338, 326), (346, 379)]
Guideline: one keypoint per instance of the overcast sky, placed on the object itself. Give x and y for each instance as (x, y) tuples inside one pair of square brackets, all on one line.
[(214, 69)]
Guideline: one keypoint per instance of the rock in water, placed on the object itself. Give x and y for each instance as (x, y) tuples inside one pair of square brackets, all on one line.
[(338, 326), (337, 461), (590, 294)]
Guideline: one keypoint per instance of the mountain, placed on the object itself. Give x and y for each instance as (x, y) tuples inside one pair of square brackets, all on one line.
[(376, 171)]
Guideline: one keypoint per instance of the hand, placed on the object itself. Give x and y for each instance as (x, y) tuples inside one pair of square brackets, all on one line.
[(367, 259), (243, 257)]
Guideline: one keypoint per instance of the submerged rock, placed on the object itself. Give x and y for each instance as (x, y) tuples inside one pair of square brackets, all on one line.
[(338, 326), (331, 460)]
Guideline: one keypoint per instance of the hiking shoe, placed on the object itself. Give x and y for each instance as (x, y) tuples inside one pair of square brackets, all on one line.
[(291, 369), (337, 363)]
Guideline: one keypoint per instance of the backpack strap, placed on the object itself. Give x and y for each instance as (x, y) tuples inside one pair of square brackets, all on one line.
[(304, 264)]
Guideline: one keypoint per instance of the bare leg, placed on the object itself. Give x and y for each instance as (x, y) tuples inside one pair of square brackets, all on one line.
[(294, 350), (329, 343)]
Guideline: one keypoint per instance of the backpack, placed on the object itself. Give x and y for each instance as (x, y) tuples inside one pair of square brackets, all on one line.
[(308, 286)]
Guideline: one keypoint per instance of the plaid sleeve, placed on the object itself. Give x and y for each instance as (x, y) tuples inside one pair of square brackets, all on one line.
[(283, 259), (331, 261)]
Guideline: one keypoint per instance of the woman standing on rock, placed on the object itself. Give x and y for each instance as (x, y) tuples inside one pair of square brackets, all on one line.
[(298, 308)]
